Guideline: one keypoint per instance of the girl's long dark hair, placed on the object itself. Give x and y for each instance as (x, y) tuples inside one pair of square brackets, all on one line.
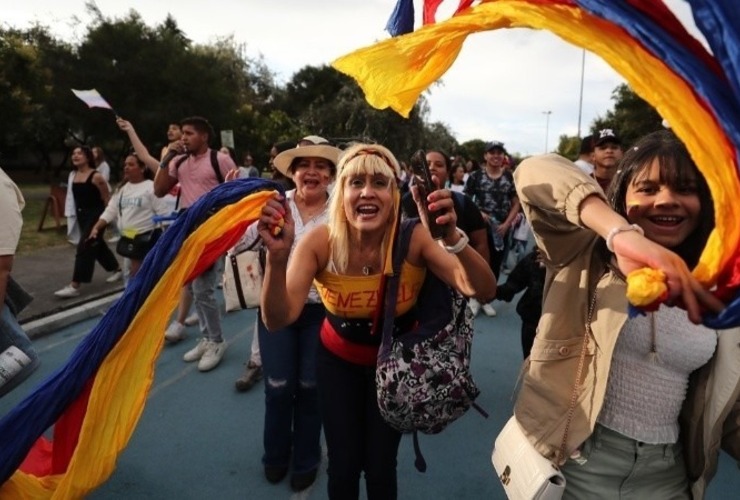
[(677, 170), (87, 151)]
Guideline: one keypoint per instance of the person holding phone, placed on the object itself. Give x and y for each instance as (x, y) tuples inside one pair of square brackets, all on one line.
[(469, 218)]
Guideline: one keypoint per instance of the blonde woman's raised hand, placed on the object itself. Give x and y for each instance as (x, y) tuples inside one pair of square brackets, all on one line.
[(441, 200)]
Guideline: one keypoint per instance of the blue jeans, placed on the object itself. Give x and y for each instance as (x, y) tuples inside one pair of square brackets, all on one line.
[(206, 307), (11, 334), (292, 417)]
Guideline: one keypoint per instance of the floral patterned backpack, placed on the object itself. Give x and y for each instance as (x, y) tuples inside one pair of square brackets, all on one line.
[(423, 376)]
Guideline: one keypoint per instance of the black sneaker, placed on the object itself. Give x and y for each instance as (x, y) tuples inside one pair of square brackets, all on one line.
[(299, 482), (274, 474), (252, 374)]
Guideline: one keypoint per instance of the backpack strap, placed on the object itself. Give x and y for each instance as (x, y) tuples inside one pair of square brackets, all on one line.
[(406, 229), (216, 167), (181, 160), (391, 294), (214, 164)]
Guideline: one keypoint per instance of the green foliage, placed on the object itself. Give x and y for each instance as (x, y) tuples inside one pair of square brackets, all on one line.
[(325, 102), (473, 150), (631, 118), (32, 64), (568, 146), (154, 75)]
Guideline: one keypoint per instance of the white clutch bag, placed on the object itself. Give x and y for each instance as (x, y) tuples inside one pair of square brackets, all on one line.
[(524, 473)]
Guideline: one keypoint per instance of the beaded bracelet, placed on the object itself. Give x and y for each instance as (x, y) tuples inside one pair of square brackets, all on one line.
[(461, 243), (620, 229)]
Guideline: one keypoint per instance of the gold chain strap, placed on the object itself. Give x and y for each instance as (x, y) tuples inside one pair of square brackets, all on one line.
[(577, 384)]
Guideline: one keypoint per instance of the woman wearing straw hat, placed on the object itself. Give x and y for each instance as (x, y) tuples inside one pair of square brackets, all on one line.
[(292, 421)]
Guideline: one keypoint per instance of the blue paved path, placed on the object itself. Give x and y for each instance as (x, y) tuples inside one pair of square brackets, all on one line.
[(200, 439)]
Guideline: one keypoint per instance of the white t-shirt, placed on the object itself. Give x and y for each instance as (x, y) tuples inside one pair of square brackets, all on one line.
[(135, 205), (11, 221), (104, 170), (587, 168)]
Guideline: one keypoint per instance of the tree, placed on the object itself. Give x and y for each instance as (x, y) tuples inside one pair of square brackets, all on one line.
[(154, 76), (34, 120), (631, 118), (326, 102), (474, 149), (569, 146)]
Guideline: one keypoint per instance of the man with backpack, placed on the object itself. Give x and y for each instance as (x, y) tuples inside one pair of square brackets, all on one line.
[(198, 171), (492, 189)]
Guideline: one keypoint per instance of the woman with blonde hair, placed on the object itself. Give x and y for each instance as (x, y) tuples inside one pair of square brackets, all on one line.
[(347, 259)]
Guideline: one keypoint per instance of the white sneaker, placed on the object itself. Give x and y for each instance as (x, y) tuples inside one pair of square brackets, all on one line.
[(67, 292), (489, 310), (114, 277), (175, 332), (213, 355), (196, 352), (474, 306), (191, 320)]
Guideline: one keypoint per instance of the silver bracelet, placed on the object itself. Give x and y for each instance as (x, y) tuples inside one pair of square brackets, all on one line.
[(461, 243), (620, 229)]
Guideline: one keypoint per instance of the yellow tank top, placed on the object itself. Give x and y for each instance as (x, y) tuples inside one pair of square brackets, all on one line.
[(357, 296)]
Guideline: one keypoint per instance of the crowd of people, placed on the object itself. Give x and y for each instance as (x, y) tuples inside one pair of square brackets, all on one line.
[(565, 232)]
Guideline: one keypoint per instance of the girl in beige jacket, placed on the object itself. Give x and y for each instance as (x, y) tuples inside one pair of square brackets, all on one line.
[(659, 393)]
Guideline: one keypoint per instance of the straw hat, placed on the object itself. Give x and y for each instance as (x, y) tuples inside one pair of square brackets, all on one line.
[(309, 146)]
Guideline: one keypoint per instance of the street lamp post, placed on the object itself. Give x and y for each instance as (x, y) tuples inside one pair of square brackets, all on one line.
[(580, 95), (547, 127)]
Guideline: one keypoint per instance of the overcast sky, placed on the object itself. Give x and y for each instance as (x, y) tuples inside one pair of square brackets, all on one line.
[(499, 88)]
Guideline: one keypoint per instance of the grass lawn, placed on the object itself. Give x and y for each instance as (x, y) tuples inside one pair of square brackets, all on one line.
[(31, 238)]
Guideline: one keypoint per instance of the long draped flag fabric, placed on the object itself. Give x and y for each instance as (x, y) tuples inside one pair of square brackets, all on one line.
[(94, 414), (697, 92)]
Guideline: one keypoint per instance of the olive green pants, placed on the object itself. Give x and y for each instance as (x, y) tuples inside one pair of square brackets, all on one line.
[(613, 466)]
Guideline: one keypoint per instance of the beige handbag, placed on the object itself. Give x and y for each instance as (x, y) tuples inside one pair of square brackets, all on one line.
[(524, 473), (242, 281)]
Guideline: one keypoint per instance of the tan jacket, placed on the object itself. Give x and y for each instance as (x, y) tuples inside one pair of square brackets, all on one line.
[(551, 190)]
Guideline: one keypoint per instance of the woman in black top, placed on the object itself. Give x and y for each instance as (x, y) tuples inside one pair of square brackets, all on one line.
[(91, 195)]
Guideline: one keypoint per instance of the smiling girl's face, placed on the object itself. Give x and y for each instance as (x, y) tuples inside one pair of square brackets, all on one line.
[(668, 213)]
